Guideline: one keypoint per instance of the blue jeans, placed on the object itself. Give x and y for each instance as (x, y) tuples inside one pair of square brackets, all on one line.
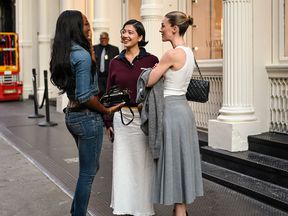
[(87, 130)]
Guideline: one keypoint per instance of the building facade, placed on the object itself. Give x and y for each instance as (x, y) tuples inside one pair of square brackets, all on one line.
[(241, 47)]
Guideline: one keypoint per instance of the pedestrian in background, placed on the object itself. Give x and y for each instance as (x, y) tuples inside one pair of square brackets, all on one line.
[(178, 179), (104, 53), (72, 69), (132, 159)]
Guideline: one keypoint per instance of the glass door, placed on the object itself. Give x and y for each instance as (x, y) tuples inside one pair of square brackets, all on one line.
[(207, 33)]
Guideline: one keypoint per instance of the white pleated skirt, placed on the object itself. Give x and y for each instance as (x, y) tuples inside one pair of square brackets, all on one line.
[(132, 168)]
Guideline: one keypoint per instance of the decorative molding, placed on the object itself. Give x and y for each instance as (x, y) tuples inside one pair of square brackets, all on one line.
[(278, 80), (211, 67), (278, 104), (44, 39), (25, 43), (149, 11), (100, 23), (27, 90), (277, 71), (237, 1)]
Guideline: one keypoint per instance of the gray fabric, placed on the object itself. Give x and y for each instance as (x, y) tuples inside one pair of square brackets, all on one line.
[(152, 111), (142, 90), (178, 177)]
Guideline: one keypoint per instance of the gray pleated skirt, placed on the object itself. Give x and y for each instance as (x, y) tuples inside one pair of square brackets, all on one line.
[(178, 177)]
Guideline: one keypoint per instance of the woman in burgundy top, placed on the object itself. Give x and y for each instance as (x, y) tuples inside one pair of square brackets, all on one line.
[(132, 159)]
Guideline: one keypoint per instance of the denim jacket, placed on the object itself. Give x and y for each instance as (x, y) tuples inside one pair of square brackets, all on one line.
[(86, 81)]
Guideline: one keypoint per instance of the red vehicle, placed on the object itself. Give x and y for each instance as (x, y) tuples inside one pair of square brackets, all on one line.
[(10, 86)]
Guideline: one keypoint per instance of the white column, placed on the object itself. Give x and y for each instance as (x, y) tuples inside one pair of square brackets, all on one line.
[(86, 6), (237, 118), (62, 100), (43, 45), (151, 14), (25, 27), (100, 21), (66, 5)]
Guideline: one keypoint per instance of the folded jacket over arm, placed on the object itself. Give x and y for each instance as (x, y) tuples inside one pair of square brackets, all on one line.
[(152, 99)]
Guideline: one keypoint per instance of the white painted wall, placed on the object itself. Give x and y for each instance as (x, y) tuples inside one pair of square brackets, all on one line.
[(265, 39), (262, 55)]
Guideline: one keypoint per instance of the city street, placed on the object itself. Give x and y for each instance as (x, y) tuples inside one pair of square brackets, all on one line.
[(40, 180)]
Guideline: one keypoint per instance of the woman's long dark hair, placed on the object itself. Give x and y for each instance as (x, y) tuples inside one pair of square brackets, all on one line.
[(69, 28)]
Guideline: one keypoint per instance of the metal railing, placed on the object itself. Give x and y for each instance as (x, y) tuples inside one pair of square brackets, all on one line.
[(279, 104)]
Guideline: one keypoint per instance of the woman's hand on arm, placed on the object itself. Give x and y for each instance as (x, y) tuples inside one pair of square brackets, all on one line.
[(164, 64)]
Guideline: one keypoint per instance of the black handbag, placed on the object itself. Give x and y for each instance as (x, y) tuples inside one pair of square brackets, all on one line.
[(116, 95), (198, 89)]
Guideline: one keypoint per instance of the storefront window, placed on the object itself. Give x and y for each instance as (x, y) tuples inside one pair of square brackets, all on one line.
[(207, 33), (286, 28), (134, 8)]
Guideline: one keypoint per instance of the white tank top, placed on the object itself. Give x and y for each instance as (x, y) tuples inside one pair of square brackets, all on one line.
[(177, 81)]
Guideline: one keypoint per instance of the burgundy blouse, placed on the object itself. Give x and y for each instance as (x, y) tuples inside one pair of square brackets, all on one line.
[(125, 74)]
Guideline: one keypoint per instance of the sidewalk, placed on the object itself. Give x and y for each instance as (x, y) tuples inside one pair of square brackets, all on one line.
[(25, 190), (29, 153)]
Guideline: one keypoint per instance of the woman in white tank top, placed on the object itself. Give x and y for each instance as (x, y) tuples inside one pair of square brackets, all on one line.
[(178, 178)]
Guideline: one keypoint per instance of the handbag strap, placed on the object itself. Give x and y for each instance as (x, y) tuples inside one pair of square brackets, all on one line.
[(115, 87), (198, 68), (121, 114)]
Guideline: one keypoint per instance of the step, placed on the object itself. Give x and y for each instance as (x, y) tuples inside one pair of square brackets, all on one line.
[(203, 138), (268, 193), (264, 167), (273, 144)]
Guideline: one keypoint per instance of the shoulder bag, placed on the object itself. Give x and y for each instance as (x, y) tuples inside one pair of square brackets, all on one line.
[(198, 89)]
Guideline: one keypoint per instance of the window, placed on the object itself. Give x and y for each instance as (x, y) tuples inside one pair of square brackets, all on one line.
[(207, 33), (134, 8)]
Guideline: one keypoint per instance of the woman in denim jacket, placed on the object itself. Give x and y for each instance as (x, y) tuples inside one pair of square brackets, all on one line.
[(72, 69)]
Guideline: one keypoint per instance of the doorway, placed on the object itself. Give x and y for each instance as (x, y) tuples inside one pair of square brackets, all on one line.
[(7, 16)]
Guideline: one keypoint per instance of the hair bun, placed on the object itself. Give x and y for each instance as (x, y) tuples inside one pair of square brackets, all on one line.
[(190, 20)]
